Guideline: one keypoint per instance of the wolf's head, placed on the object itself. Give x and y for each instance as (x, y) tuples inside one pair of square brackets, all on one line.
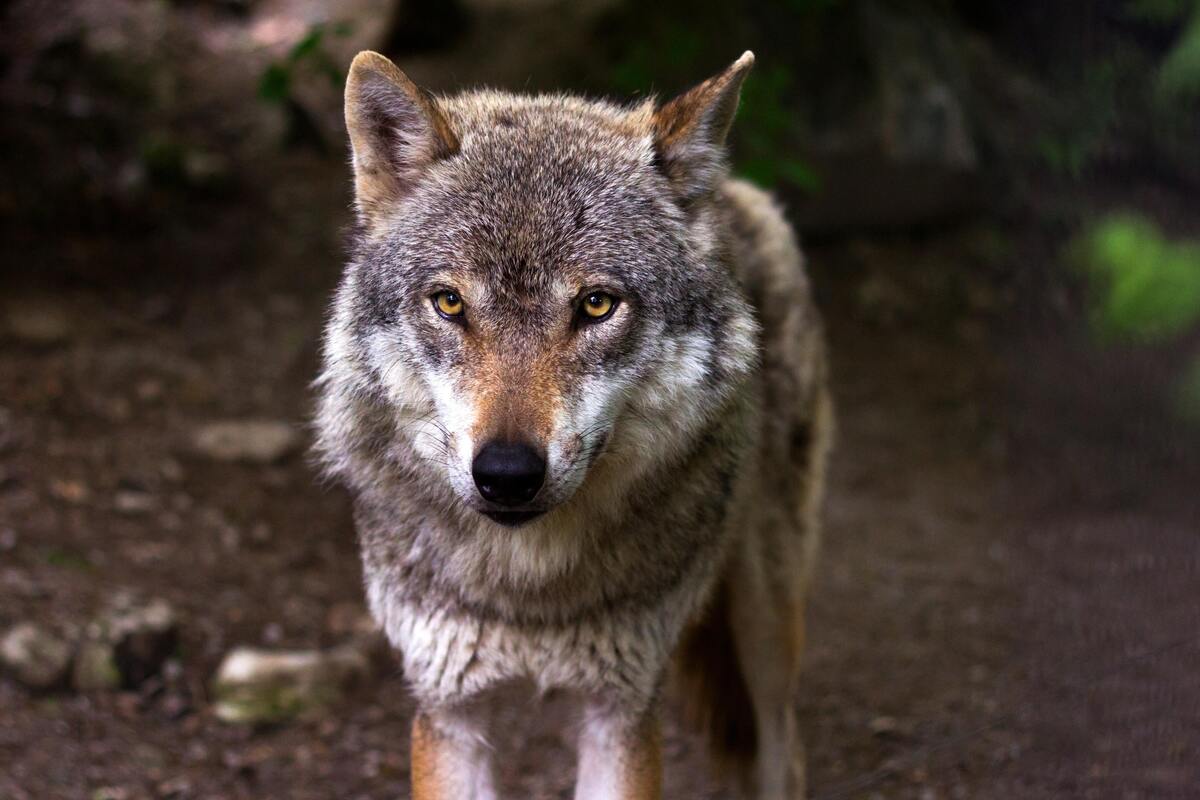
[(539, 282)]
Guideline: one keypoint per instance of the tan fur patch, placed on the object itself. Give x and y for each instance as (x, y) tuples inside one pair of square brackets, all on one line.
[(642, 765), (515, 399), (428, 779)]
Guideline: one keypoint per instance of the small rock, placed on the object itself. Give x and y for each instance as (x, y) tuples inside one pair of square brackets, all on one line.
[(111, 793), (19, 583), (143, 637), (231, 538), (126, 645), (149, 390), (175, 787), (256, 686), (260, 533), (250, 441), (35, 656), (173, 671), (884, 726), (95, 668), (133, 502), (172, 470), (38, 321), (273, 633), (70, 491), (206, 169)]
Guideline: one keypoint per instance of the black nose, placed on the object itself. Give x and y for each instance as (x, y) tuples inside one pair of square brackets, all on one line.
[(508, 474)]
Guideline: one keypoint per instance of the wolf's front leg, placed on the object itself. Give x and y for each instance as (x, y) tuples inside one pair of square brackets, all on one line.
[(451, 759), (620, 756)]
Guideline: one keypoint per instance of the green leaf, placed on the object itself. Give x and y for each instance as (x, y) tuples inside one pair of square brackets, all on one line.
[(1179, 76), (761, 171), (800, 174), (310, 44), (1145, 286), (275, 83)]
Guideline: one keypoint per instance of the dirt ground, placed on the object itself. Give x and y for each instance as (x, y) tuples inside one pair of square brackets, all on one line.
[(911, 636), (1007, 603), (993, 579)]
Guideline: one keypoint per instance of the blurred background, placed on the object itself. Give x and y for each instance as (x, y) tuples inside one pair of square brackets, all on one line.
[(999, 205)]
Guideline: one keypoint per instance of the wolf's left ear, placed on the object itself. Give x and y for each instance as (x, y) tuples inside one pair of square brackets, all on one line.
[(690, 131), (396, 131)]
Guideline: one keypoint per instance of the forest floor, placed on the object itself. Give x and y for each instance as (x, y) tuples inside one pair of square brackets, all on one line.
[(910, 625), (1007, 602), (997, 581)]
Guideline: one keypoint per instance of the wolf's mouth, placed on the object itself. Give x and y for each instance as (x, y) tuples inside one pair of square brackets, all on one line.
[(512, 519)]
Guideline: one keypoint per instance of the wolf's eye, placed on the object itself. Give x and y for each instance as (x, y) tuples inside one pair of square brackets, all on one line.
[(448, 304), (597, 306)]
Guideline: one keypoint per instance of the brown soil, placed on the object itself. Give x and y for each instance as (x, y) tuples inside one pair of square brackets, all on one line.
[(911, 624)]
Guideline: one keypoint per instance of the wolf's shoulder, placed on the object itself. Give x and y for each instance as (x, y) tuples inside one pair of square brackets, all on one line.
[(762, 244)]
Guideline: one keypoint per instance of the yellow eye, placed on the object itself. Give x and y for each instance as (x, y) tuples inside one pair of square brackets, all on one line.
[(598, 305), (448, 304)]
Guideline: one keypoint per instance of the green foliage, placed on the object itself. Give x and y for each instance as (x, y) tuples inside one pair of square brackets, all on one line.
[(1147, 287), (1132, 96), (640, 67), (1179, 76), (275, 84), (307, 55), (766, 127)]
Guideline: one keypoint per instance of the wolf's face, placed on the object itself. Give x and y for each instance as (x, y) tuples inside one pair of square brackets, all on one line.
[(536, 284)]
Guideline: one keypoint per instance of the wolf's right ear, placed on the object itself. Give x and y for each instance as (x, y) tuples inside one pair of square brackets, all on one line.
[(396, 131)]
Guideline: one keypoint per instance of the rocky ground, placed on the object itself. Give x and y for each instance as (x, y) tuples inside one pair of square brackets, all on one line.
[(1005, 605)]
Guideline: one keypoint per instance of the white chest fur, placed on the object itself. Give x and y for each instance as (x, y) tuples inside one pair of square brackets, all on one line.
[(450, 656)]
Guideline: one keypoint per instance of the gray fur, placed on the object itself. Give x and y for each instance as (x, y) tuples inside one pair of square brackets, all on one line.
[(687, 434)]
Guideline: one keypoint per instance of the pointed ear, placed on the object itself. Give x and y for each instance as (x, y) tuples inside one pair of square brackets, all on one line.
[(396, 131), (690, 131)]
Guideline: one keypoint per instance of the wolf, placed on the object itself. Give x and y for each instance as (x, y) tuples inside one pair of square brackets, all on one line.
[(575, 381)]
